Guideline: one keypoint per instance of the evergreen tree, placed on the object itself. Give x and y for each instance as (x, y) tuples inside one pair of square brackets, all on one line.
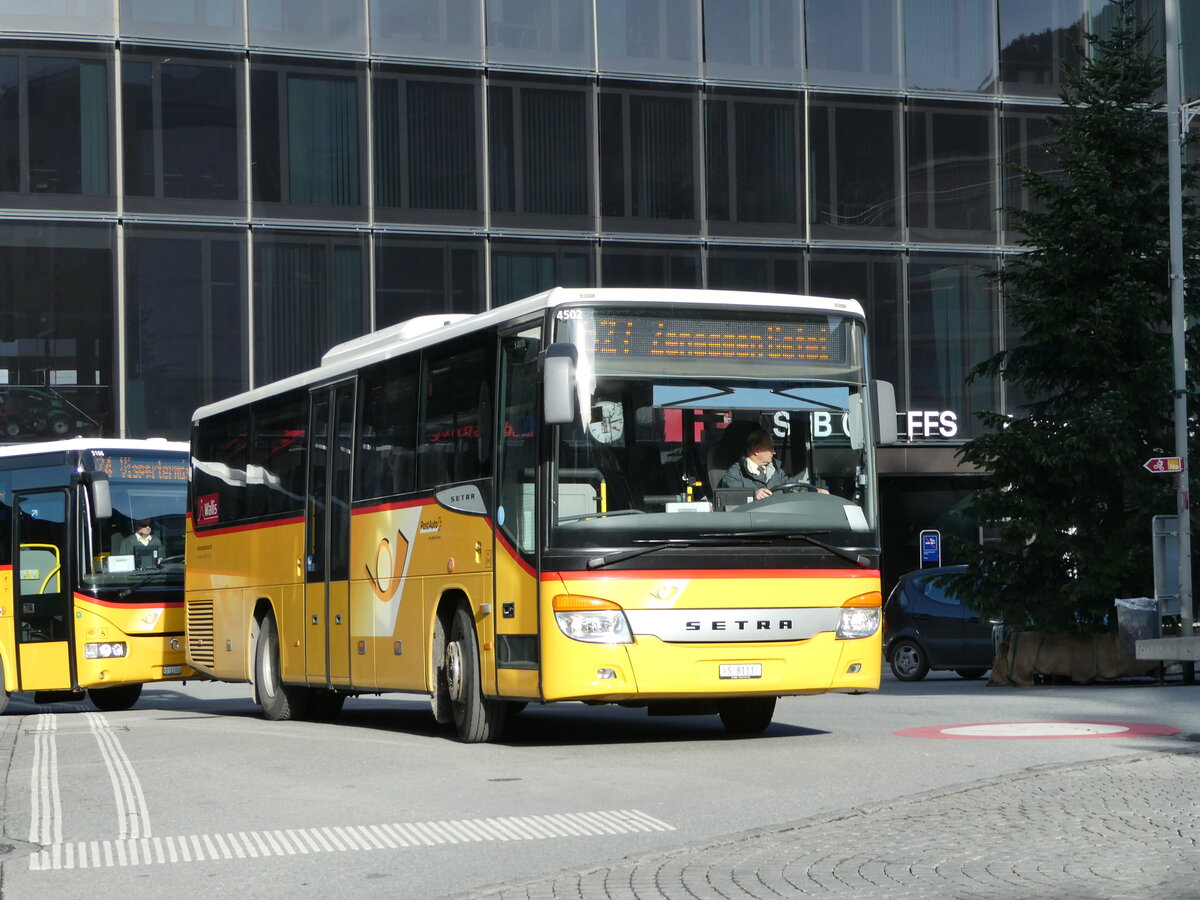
[(1090, 301)]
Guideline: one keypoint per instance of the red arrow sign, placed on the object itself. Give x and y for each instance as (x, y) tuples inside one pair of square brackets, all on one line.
[(1170, 464)]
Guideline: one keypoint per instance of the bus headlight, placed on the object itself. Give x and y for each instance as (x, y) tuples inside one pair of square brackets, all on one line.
[(860, 616), (591, 619), (104, 651)]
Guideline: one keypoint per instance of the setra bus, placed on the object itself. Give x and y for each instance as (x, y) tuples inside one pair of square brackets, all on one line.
[(84, 604), (525, 505)]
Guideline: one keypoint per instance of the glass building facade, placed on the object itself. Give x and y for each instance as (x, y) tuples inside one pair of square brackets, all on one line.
[(199, 196)]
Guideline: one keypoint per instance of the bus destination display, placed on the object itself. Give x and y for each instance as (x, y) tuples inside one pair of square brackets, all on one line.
[(802, 340)]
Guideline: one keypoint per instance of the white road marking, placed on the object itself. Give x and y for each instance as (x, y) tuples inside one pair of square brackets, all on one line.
[(133, 815), (131, 851), (45, 820)]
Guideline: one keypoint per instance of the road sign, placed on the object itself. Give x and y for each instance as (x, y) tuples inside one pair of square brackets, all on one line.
[(931, 547), (1164, 464)]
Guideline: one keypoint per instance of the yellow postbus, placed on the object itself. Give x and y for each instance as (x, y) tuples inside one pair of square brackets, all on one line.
[(526, 505), (85, 603)]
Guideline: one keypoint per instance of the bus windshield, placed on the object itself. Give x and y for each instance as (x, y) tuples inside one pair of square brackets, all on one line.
[(141, 543), (670, 410)]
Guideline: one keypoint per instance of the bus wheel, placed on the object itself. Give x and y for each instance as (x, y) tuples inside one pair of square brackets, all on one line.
[(746, 715), (114, 699), (477, 720), (439, 700), (4, 695), (279, 702)]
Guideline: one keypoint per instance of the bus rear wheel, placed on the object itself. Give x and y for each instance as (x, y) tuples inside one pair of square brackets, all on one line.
[(476, 719), (114, 699), (279, 701), (746, 715)]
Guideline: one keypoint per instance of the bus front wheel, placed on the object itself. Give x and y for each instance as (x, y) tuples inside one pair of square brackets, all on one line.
[(279, 701), (115, 699), (746, 715), (476, 719)]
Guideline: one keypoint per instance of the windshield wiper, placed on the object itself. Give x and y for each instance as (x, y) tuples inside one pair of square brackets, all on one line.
[(807, 536), (602, 515), (652, 544)]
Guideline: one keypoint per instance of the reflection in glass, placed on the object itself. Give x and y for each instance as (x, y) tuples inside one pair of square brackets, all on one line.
[(56, 321), (658, 37), (1028, 138), (327, 25), (645, 265), (852, 43), (874, 280), (952, 173), (416, 277), (647, 163), (204, 21), (180, 140), (523, 269), (753, 161), (10, 125), (757, 40), (952, 328), (950, 45), (67, 126), (308, 291), (747, 269), (427, 29), (1037, 37), (855, 169), (540, 151), (540, 33), (184, 325)]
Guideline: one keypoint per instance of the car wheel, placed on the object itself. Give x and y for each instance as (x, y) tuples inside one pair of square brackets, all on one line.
[(908, 660), (970, 674)]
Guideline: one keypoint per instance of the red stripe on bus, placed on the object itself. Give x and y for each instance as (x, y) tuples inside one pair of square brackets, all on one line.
[(248, 526), (515, 554), (635, 574), (384, 507), (174, 604)]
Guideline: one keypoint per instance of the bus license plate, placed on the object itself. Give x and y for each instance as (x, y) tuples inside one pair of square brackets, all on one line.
[(172, 670), (741, 670)]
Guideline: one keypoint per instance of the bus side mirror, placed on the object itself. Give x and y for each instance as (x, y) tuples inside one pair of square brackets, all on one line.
[(101, 496), (558, 384), (884, 413)]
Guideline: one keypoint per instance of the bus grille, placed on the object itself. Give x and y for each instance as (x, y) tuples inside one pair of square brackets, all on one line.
[(201, 649)]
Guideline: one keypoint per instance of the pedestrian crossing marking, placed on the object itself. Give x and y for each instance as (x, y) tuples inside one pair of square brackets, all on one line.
[(233, 845)]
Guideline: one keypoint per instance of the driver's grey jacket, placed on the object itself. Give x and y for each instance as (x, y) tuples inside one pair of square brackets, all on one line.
[(740, 475)]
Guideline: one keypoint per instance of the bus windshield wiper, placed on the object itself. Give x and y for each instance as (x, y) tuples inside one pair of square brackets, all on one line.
[(807, 536), (650, 545), (605, 514)]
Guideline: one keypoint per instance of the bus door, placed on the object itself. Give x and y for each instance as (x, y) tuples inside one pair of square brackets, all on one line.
[(327, 588), (42, 608)]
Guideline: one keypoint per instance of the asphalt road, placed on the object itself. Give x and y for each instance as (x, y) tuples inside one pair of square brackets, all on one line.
[(192, 792)]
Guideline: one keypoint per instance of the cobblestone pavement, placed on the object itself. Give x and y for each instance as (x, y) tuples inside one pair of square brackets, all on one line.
[(1126, 827)]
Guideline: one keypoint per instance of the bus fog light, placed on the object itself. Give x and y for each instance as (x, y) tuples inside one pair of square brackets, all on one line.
[(854, 669), (607, 626), (104, 651), (858, 622), (605, 674)]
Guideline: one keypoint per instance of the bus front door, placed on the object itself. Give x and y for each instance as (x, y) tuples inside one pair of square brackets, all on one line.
[(42, 608), (327, 588)]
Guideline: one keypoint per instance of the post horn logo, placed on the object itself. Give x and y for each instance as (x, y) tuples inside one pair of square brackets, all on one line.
[(384, 591)]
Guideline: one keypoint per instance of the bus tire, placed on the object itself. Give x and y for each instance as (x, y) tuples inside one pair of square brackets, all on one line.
[(476, 719), (746, 715), (279, 701), (4, 694), (115, 699)]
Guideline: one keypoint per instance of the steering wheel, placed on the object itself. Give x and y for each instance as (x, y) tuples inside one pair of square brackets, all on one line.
[(799, 487)]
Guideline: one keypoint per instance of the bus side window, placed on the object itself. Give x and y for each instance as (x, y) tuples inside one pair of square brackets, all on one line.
[(517, 436), (387, 416), (456, 387)]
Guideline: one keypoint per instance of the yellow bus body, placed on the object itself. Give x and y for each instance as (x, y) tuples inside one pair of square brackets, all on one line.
[(396, 586)]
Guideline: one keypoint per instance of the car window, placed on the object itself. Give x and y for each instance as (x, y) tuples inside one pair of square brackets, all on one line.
[(933, 593)]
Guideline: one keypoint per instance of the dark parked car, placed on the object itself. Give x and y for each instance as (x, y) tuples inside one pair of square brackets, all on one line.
[(927, 628)]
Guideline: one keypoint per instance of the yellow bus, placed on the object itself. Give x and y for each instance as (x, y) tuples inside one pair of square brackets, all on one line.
[(85, 604), (525, 506)]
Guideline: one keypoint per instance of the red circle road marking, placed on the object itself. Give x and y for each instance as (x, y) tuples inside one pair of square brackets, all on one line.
[(1040, 730)]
